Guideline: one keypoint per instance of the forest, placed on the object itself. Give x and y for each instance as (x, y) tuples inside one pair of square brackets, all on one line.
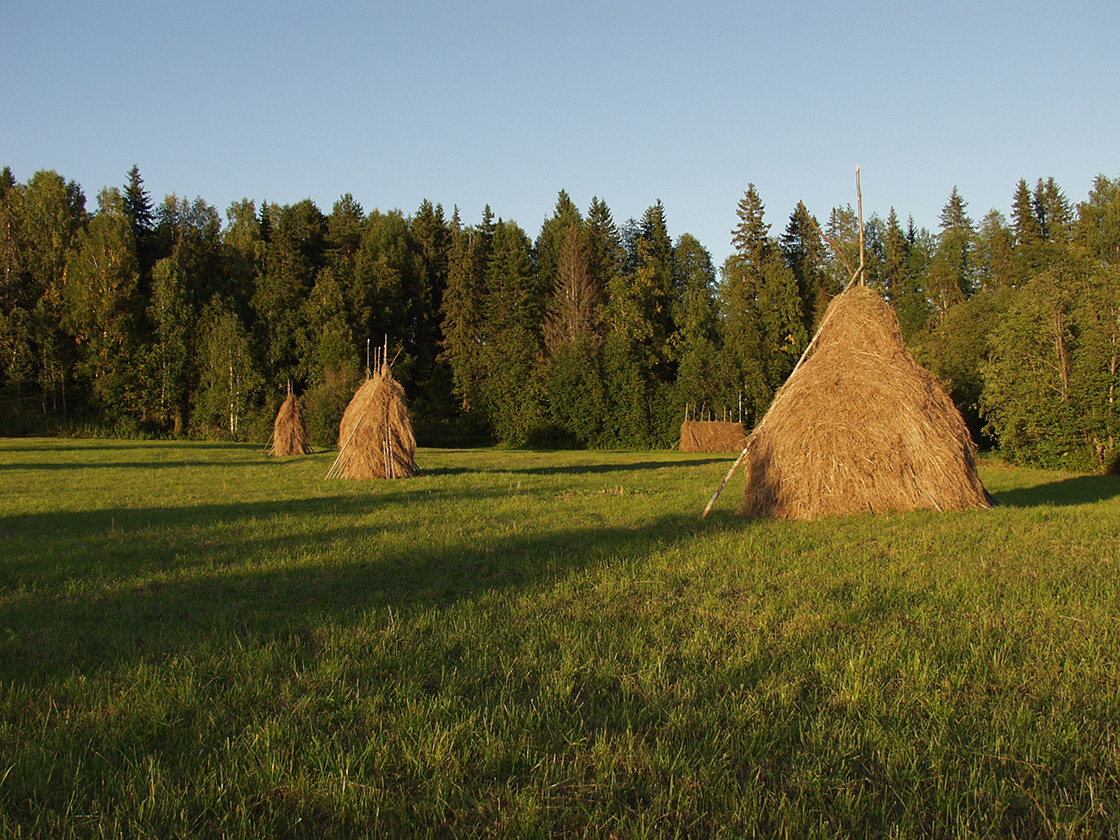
[(145, 318)]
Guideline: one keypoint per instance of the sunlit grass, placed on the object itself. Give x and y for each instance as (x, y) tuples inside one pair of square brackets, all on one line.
[(200, 641)]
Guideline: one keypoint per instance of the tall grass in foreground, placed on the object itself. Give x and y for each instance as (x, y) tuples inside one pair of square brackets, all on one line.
[(197, 641)]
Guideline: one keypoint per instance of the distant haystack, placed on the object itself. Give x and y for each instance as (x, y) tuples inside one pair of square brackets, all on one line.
[(712, 436), (375, 437), (860, 427), (289, 432)]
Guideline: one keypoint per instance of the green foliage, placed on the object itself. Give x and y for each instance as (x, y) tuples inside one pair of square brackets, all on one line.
[(325, 402), (513, 388), (957, 349), (173, 320), (627, 423), (577, 397), (805, 253), (229, 380), (102, 308), (100, 315), (1031, 383)]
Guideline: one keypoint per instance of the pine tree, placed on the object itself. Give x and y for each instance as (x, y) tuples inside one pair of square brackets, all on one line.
[(292, 258), (463, 324), (1055, 215), (423, 378), (605, 254), (994, 252), (511, 311), (573, 305), (952, 274), (141, 215), (694, 343), (13, 283), (640, 301), (762, 311), (550, 242), (805, 254)]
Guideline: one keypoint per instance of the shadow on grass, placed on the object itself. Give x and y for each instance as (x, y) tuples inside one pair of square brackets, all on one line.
[(118, 465), (28, 455), (577, 469), (112, 588), (1081, 490)]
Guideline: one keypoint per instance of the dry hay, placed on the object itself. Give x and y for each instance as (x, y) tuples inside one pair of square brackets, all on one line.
[(375, 436), (289, 432), (712, 436), (860, 427)]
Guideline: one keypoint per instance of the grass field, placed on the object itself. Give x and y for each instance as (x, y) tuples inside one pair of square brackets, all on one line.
[(198, 641)]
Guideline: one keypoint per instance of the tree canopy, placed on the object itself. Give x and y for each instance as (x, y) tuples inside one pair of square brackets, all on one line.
[(170, 318)]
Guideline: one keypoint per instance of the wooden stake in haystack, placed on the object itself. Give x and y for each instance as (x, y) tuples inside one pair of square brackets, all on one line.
[(375, 437), (289, 431), (859, 426)]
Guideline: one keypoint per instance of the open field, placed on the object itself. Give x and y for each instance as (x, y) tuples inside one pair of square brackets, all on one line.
[(198, 641)]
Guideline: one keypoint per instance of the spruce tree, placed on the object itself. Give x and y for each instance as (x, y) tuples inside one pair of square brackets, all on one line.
[(805, 254), (141, 215), (511, 393), (573, 305), (952, 274), (463, 323)]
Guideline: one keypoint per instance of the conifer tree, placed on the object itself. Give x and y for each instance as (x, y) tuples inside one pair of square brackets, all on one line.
[(573, 306), (463, 324), (805, 254), (952, 274), (422, 377), (995, 255), (605, 253), (511, 309)]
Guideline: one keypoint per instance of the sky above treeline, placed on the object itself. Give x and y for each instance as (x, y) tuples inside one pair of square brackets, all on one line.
[(506, 102)]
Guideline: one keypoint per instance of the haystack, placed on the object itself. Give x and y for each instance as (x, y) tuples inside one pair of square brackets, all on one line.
[(375, 437), (712, 436), (860, 427), (289, 432)]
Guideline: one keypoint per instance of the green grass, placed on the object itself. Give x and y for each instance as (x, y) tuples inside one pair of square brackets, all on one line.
[(198, 641)]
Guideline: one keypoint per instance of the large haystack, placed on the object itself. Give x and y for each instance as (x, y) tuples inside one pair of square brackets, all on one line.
[(289, 432), (712, 436), (375, 437), (860, 427)]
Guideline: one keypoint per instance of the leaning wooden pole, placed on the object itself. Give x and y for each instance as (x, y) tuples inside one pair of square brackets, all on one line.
[(726, 478), (342, 451)]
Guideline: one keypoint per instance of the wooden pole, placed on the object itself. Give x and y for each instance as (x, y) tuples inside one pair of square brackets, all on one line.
[(342, 451), (726, 479), (859, 201)]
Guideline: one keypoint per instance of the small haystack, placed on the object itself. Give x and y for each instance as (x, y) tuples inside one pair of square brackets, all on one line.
[(712, 436), (375, 437), (289, 432), (859, 427)]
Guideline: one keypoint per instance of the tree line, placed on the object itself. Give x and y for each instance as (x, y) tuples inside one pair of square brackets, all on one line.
[(168, 319)]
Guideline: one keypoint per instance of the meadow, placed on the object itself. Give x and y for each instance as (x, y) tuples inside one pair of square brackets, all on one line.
[(199, 641)]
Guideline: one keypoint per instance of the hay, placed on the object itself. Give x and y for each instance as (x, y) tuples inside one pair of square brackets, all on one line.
[(375, 436), (860, 427), (712, 436), (289, 432)]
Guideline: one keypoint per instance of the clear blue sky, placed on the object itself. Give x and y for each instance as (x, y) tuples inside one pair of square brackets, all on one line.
[(506, 102)]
